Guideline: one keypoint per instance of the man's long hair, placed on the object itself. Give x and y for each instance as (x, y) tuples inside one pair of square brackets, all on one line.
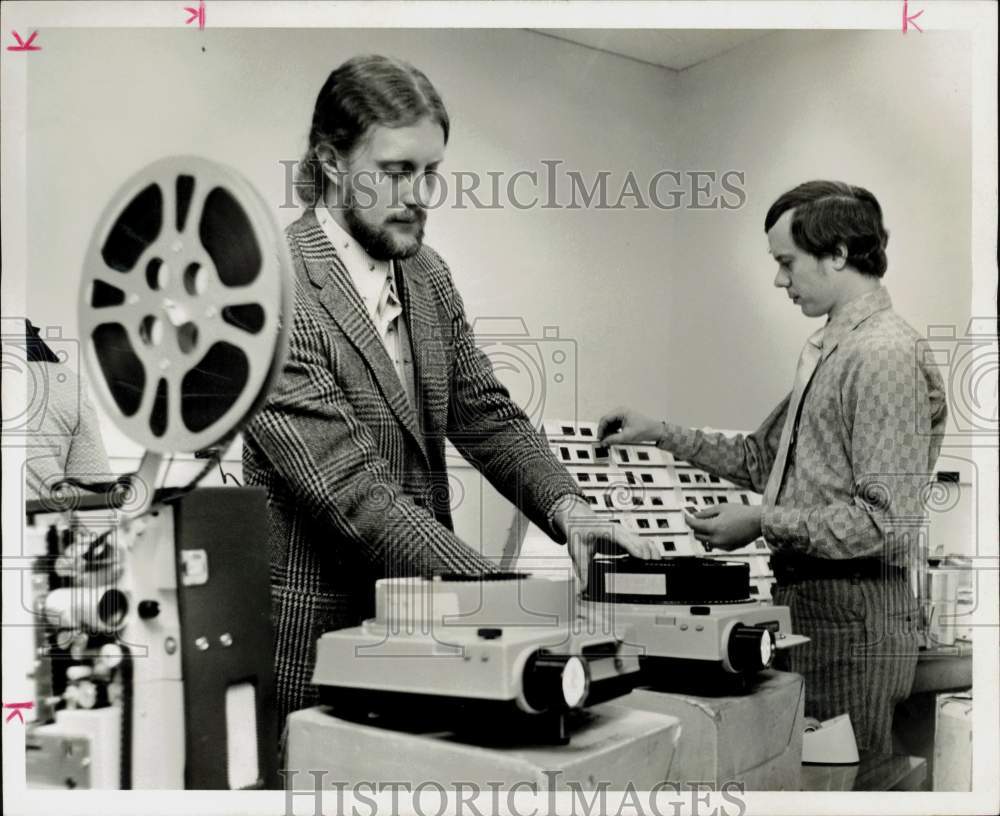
[(363, 92)]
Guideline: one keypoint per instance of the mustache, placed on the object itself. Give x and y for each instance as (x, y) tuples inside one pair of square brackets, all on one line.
[(416, 215)]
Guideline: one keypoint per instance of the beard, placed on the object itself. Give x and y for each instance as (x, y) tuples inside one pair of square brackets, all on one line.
[(379, 241)]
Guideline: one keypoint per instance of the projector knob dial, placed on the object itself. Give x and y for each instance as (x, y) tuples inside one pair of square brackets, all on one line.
[(86, 694), (750, 649), (555, 681)]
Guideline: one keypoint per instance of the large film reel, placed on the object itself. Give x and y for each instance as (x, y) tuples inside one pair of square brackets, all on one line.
[(185, 304)]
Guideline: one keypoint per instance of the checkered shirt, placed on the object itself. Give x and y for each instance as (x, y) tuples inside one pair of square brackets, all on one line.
[(868, 435)]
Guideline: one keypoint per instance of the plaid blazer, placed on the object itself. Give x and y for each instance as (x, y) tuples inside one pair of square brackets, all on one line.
[(354, 472)]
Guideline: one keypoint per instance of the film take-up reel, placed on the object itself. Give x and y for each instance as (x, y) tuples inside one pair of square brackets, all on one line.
[(184, 309)]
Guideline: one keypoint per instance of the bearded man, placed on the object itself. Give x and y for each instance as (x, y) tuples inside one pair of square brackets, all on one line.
[(382, 367)]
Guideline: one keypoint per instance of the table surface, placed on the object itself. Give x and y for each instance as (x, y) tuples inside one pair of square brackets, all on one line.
[(961, 648), (875, 772), (946, 668)]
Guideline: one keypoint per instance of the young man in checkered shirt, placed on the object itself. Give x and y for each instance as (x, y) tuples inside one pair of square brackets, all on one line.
[(841, 462)]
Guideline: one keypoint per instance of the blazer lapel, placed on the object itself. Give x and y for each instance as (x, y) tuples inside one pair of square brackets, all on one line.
[(343, 303), (429, 357)]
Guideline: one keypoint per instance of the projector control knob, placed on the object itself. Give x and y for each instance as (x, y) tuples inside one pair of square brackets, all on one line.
[(149, 609), (750, 649), (555, 681), (86, 694)]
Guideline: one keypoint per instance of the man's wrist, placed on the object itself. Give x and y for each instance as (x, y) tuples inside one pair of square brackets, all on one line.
[(566, 507), (680, 441), (772, 530), (666, 436)]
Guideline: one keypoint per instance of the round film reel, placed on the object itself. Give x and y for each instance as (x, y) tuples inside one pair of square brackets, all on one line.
[(184, 305)]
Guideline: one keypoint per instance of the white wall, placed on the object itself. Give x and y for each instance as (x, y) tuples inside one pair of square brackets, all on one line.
[(887, 112), (669, 311)]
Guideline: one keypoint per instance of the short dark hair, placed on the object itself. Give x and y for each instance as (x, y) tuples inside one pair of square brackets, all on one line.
[(829, 213), (365, 91)]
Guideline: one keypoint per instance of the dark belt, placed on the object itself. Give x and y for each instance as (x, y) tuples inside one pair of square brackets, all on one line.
[(818, 569)]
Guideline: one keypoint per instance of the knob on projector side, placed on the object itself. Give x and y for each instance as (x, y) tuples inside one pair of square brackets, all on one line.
[(750, 648), (148, 609), (555, 682)]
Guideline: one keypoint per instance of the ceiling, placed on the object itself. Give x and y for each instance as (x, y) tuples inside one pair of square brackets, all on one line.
[(673, 48)]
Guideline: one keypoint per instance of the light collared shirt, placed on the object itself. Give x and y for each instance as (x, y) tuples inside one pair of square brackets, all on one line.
[(868, 435), (67, 442), (375, 283)]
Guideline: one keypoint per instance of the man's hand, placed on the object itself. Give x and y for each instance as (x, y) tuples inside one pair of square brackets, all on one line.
[(586, 532), (623, 426), (726, 526)]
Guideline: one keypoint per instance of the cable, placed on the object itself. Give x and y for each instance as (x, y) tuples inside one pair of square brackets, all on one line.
[(226, 476), (166, 470)]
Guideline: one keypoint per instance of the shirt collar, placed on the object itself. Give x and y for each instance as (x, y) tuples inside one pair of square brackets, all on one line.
[(852, 314)]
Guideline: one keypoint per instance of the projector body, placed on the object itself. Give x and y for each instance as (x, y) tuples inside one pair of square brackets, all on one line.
[(497, 645)]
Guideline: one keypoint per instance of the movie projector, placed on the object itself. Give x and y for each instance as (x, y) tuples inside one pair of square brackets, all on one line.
[(701, 621), (462, 651), (154, 666), (692, 618)]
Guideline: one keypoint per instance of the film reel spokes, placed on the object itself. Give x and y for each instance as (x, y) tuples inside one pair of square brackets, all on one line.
[(184, 304)]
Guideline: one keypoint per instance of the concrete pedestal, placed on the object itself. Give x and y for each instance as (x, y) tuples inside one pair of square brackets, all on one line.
[(608, 743), (753, 738)]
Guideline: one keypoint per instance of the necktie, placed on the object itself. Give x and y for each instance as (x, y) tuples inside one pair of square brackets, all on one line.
[(808, 360), (388, 307), (393, 332)]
